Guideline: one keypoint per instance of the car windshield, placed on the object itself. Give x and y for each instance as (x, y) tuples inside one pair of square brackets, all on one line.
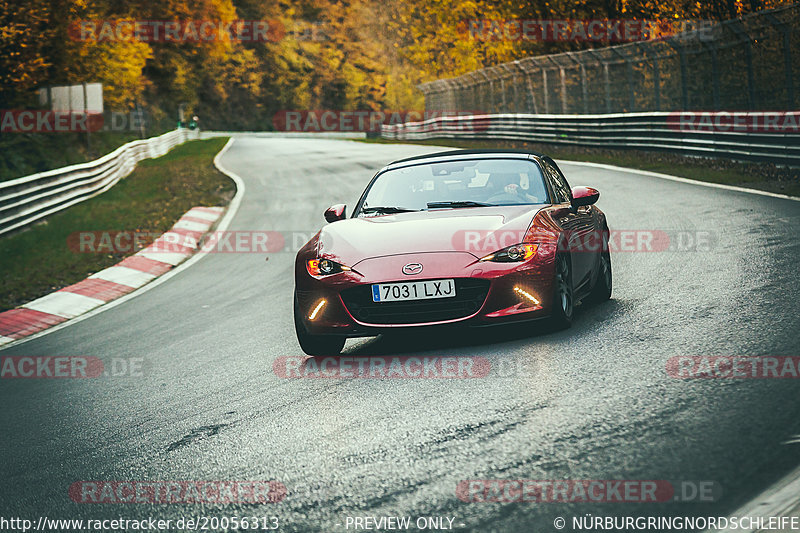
[(456, 184)]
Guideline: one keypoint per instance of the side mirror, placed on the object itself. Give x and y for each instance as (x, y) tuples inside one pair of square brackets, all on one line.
[(584, 196), (335, 212)]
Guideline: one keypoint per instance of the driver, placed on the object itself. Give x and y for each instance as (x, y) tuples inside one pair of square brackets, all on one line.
[(506, 187)]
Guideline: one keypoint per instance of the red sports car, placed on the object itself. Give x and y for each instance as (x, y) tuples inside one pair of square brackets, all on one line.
[(469, 236)]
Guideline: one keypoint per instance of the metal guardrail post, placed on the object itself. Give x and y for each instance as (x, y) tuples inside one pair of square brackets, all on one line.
[(787, 58), (606, 80), (545, 91), (656, 84), (747, 42), (513, 85), (503, 103), (484, 99), (583, 88), (528, 86), (714, 73), (684, 73), (628, 76), (472, 91)]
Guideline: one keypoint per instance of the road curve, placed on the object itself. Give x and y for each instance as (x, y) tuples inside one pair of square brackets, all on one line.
[(592, 402)]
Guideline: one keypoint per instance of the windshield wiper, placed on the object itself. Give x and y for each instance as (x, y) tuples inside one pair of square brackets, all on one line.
[(387, 209), (465, 203)]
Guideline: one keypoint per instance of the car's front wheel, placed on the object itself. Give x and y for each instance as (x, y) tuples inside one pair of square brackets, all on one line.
[(315, 344), (563, 304)]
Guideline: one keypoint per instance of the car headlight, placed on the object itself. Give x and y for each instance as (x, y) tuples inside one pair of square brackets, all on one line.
[(513, 254), (325, 267)]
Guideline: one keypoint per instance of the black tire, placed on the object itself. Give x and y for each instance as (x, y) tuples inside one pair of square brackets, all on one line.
[(602, 287), (315, 344), (563, 295)]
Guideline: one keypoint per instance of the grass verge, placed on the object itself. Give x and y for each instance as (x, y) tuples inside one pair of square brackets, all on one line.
[(760, 176), (38, 261)]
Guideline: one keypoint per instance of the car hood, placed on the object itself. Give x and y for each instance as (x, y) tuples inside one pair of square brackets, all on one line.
[(479, 231)]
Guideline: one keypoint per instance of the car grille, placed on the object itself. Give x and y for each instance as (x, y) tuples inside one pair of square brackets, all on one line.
[(470, 295)]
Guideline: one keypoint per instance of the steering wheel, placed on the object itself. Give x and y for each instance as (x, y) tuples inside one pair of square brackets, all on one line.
[(511, 193), (504, 197)]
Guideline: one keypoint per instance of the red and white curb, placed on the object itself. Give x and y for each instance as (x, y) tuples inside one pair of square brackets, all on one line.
[(169, 250)]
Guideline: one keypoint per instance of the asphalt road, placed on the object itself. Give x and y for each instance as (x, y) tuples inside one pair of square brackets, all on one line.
[(592, 402)]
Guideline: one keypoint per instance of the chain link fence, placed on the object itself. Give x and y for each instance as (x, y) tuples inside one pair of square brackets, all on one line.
[(751, 63)]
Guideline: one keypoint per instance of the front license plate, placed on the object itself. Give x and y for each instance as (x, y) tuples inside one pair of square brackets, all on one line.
[(413, 290)]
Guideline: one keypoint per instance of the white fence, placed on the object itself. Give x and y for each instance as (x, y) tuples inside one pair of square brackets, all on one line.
[(30, 198)]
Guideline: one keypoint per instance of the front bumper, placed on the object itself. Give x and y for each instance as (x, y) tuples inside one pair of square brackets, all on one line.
[(486, 294)]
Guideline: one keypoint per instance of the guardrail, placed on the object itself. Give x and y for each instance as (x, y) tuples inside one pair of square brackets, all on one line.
[(30, 198), (718, 135)]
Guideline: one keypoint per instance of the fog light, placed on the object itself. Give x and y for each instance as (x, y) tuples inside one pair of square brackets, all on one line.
[(525, 294), (317, 309)]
